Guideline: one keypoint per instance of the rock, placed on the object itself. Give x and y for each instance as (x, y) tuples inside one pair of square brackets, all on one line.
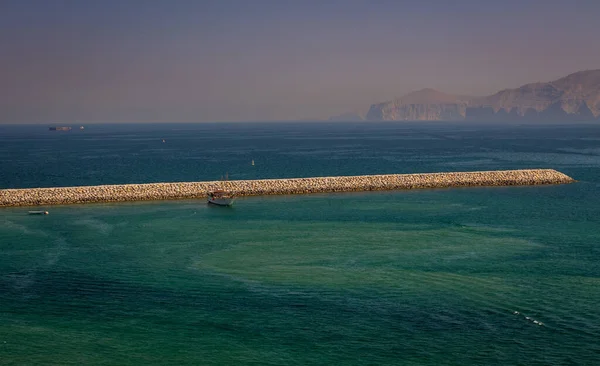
[(575, 97), (192, 190)]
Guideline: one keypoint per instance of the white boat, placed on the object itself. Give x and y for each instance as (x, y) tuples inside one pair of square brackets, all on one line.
[(220, 198), (37, 212)]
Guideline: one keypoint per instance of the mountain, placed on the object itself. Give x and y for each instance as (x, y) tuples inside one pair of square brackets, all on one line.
[(575, 97), (425, 104), (348, 117)]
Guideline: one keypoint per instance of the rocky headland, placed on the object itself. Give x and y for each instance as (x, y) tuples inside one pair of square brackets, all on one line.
[(575, 97)]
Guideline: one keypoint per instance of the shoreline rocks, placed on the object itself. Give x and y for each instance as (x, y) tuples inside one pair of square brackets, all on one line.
[(195, 190)]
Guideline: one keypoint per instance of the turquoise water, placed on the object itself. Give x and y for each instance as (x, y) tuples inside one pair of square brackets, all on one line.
[(451, 276)]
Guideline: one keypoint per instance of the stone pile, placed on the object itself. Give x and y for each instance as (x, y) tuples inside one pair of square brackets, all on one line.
[(191, 190)]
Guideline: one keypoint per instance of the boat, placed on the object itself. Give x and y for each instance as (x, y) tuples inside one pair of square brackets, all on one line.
[(37, 212), (221, 198), (60, 128)]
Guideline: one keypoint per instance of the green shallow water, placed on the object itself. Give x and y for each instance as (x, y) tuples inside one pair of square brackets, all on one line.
[(430, 277), (417, 277)]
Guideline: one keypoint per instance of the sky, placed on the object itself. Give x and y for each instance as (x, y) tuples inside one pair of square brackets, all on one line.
[(256, 60)]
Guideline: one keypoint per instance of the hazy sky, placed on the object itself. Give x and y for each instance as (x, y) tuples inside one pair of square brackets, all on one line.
[(228, 60)]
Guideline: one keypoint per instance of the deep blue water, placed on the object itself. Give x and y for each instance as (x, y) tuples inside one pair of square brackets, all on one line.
[(32, 156), (450, 276)]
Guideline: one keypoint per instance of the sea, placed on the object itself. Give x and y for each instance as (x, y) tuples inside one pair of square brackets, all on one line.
[(464, 276)]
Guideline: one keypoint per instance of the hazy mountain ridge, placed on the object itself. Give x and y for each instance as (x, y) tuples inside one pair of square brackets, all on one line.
[(575, 97), (349, 117), (426, 104)]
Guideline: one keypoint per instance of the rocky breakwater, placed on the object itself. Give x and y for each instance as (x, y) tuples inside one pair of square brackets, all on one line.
[(193, 190)]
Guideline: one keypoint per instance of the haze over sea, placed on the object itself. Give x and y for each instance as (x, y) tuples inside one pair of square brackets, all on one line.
[(505, 275)]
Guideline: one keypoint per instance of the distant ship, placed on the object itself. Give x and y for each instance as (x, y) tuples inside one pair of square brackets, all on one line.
[(81, 127), (60, 128)]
